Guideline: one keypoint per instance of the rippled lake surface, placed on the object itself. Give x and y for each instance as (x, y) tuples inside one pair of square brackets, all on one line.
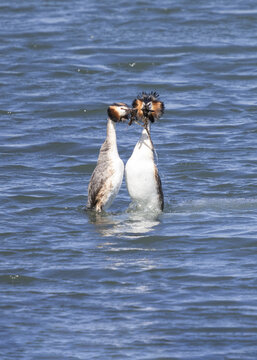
[(125, 284)]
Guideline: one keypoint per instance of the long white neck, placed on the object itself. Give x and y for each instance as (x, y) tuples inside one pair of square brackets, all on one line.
[(144, 146), (111, 135)]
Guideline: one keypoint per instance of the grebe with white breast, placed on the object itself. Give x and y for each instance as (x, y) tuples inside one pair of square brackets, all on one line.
[(142, 177), (107, 177)]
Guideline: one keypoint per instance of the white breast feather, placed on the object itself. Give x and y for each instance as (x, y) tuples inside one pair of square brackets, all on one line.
[(140, 175)]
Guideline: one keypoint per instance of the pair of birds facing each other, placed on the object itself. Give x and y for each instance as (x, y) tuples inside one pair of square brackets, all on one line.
[(142, 178)]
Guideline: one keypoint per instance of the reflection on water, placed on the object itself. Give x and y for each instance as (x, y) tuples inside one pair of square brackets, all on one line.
[(132, 223)]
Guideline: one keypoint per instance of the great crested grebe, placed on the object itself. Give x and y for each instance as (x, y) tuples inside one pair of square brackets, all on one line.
[(142, 177), (107, 177)]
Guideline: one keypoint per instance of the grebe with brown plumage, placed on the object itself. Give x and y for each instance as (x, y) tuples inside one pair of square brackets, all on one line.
[(141, 172), (107, 177)]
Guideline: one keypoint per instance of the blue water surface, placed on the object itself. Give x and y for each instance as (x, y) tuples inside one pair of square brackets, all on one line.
[(127, 284)]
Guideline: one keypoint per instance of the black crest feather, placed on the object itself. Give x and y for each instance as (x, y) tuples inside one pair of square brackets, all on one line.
[(147, 97)]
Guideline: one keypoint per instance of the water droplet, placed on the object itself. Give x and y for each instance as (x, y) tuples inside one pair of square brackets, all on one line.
[(13, 277)]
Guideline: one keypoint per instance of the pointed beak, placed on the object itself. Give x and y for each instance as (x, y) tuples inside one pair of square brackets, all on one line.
[(127, 114), (133, 115)]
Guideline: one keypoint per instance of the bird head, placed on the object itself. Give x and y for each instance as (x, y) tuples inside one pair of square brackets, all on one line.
[(118, 112), (147, 107)]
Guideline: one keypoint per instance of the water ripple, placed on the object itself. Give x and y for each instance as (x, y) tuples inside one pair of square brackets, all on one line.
[(128, 284)]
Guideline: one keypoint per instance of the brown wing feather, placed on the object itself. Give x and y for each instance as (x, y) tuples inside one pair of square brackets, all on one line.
[(159, 187), (98, 186)]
